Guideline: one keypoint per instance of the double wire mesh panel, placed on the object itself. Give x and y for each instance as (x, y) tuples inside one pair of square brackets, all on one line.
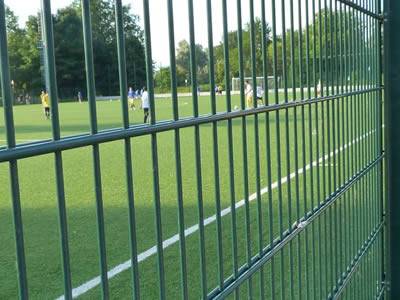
[(238, 197)]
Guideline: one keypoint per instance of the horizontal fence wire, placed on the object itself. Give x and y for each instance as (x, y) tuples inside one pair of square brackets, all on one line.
[(279, 195), (364, 8), (293, 232), (46, 146)]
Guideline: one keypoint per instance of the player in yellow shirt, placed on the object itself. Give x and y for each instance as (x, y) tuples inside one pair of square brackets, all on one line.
[(249, 94), (44, 96)]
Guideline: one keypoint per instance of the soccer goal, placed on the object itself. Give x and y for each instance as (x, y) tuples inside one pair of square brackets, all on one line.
[(259, 80)]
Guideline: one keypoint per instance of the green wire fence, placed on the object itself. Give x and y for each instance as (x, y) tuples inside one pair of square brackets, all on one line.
[(312, 222)]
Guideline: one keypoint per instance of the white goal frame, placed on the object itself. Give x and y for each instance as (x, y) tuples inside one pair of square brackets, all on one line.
[(235, 87)]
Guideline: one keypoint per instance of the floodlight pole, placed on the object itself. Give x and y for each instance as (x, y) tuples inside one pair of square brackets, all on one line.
[(42, 47), (392, 144)]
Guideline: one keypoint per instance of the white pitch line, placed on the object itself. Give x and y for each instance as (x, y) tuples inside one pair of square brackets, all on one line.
[(92, 283)]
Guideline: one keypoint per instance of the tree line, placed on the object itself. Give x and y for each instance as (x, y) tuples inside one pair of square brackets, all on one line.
[(26, 58), (324, 46), (318, 43)]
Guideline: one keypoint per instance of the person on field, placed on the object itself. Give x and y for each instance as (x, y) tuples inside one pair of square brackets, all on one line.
[(319, 88), (44, 96), (218, 90), (27, 99), (260, 96), (145, 105), (260, 93), (249, 94), (131, 98), (80, 97)]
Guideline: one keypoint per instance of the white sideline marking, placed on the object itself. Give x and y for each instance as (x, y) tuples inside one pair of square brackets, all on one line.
[(327, 165), (82, 289)]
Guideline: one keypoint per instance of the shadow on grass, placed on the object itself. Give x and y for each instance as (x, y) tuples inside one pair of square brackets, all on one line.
[(42, 248)]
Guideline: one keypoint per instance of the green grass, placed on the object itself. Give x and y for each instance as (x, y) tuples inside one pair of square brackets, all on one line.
[(352, 213)]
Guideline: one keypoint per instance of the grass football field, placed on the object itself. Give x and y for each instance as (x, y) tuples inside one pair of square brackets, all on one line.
[(346, 126)]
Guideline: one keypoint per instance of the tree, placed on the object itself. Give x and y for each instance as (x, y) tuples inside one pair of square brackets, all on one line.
[(332, 30), (31, 56), (70, 61), (162, 80), (183, 63), (23, 53), (105, 46), (234, 52), (11, 21)]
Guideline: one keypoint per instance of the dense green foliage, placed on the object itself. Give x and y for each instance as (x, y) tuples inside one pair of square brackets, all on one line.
[(323, 39), (25, 55), (328, 35)]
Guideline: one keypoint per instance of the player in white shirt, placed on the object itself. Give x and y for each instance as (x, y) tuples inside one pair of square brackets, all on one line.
[(145, 104), (319, 88), (260, 94)]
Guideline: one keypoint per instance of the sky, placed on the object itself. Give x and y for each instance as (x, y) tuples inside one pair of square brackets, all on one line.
[(159, 19)]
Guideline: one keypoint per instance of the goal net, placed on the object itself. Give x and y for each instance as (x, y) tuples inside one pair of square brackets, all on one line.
[(259, 80)]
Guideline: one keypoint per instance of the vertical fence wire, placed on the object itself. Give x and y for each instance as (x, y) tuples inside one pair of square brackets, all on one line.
[(178, 161), (51, 79), (127, 146), (296, 80), (277, 133), (318, 92), (264, 43), (312, 157), (256, 143), (13, 164), (230, 137), (341, 137), (243, 103), (211, 69), (286, 143), (327, 160), (382, 184), (199, 181), (154, 150), (346, 137), (303, 142), (91, 92)]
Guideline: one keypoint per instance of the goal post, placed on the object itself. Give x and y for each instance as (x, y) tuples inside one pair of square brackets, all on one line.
[(259, 81)]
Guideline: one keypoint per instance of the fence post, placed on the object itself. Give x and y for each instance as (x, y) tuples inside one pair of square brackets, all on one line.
[(392, 113)]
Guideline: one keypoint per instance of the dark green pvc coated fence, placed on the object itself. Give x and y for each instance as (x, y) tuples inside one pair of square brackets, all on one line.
[(316, 230)]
